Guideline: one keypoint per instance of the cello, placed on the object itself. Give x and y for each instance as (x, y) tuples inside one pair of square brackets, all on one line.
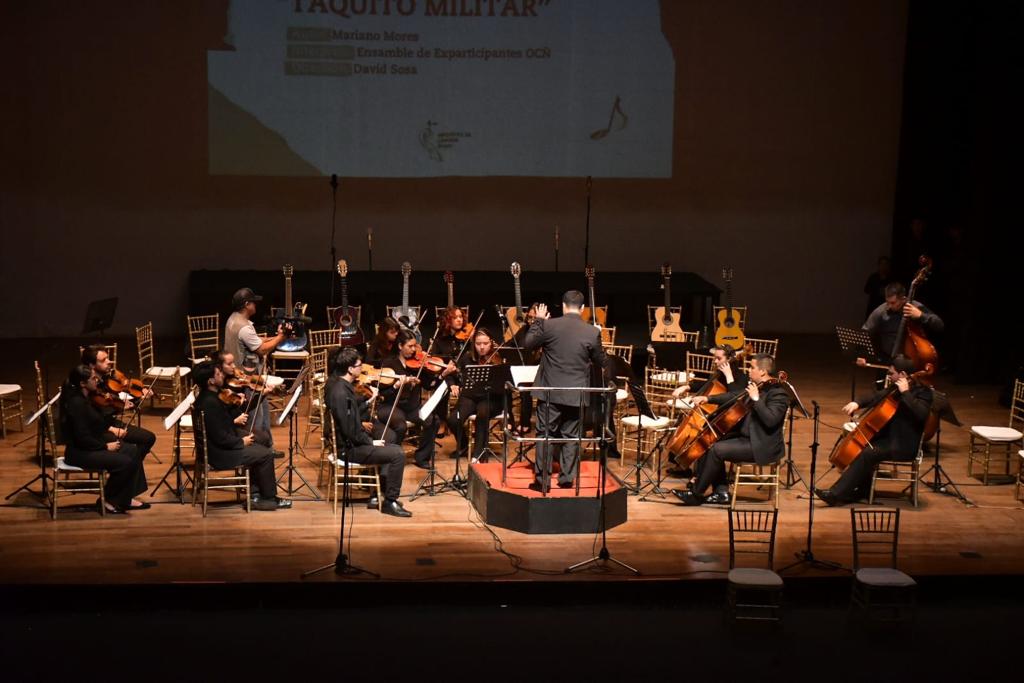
[(910, 338), (721, 422), (689, 424)]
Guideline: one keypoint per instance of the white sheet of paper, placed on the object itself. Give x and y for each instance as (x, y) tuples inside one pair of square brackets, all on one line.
[(433, 401), (35, 415), (288, 407), (524, 374), (179, 410)]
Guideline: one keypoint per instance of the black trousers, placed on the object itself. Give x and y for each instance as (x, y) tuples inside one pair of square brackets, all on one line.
[(391, 459), (855, 481), (425, 449), (483, 408), (141, 438), (259, 436), (126, 477), (710, 469), (259, 460), (555, 420)]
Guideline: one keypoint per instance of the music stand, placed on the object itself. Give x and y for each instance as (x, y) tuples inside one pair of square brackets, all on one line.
[(523, 376), (792, 474), (174, 420), (99, 316), (643, 408), (671, 355), (855, 343), (490, 378), (941, 481), (428, 486), (290, 414), (41, 452)]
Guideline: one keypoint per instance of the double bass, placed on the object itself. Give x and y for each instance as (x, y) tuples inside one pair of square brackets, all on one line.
[(720, 423), (912, 343)]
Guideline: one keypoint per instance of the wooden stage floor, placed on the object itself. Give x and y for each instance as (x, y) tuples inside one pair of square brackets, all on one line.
[(445, 540)]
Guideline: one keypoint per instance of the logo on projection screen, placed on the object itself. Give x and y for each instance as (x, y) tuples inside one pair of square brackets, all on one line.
[(436, 142)]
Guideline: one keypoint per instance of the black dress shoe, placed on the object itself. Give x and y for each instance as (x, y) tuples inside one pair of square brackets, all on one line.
[(283, 503), (264, 504), (277, 454), (422, 465), (536, 486), (688, 497), (394, 508), (827, 496), (111, 509), (718, 498), (565, 484), (143, 506), (373, 503)]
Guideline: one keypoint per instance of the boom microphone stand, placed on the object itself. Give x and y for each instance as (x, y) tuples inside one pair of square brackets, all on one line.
[(806, 557)]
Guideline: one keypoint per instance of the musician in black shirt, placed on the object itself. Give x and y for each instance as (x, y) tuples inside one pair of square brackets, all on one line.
[(91, 445), (96, 357), (227, 450), (479, 402)]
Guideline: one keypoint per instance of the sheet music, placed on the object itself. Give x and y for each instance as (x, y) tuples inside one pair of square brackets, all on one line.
[(291, 404), (179, 410), (433, 401), (524, 374), (35, 415)]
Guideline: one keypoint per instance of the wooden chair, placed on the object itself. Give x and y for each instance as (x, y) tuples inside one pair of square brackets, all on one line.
[(321, 340), (203, 336), (699, 366), (750, 475), (359, 475), (638, 435), (907, 472), (1020, 476), (316, 380), (768, 346), (607, 336), (742, 310), (11, 407), (879, 590), (71, 480), (168, 380), (205, 478), (753, 593), (356, 311), (1003, 440)]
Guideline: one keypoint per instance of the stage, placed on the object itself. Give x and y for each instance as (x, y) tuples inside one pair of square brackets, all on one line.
[(447, 540)]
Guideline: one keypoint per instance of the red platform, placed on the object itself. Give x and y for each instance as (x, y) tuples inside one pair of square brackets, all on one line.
[(515, 506)]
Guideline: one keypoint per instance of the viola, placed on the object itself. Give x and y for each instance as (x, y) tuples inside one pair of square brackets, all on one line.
[(240, 380), (466, 333), (106, 399), (371, 375), (230, 398), (117, 383)]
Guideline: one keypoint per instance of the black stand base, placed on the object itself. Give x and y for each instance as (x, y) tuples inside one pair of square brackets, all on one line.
[(806, 558), (341, 567), (602, 556), (943, 483)]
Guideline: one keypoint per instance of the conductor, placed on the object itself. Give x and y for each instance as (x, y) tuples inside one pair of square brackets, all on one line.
[(571, 346)]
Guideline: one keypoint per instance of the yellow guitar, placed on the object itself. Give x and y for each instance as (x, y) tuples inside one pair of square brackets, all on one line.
[(729, 331), (666, 323)]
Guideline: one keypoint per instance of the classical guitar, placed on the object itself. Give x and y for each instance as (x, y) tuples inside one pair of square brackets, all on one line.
[(666, 322), (406, 315), (467, 327), (514, 315), (292, 317), (348, 325), (592, 313), (727, 330)]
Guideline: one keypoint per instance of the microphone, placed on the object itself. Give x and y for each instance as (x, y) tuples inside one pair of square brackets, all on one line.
[(369, 237)]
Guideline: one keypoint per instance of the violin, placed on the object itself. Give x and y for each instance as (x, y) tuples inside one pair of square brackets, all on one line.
[(383, 376), (104, 399), (230, 398), (117, 382), (240, 381), (466, 333), (427, 362)]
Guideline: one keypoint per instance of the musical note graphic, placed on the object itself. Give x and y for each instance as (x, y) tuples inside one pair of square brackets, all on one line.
[(617, 120)]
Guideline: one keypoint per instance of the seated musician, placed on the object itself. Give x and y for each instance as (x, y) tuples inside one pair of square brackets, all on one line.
[(92, 445), (727, 368), (355, 442), (225, 360), (898, 440), (401, 401), (757, 437), (227, 450), (453, 322), (366, 399), (97, 358), (884, 322), (384, 344), (479, 402)]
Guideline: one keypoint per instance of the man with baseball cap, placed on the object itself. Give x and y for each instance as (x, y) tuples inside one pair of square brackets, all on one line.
[(249, 349)]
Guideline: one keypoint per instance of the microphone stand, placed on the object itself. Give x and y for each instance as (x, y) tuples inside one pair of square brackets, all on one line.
[(334, 211), (806, 557), (586, 242)]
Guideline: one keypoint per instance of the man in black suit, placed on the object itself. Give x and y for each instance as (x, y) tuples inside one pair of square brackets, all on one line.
[(757, 437), (353, 434), (227, 450), (898, 440), (571, 346)]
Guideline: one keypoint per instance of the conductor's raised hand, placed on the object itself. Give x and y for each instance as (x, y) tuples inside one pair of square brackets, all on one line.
[(542, 312)]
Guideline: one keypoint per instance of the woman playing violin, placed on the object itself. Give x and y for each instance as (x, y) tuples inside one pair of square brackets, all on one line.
[(897, 440), (97, 358), (237, 407), (455, 331), (756, 438), (401, 401), (92, 444), (479, 402), (384, 344)]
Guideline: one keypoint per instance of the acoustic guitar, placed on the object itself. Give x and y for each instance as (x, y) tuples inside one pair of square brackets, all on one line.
[(348, 326), (666, 322), (514, 315), (592, 314), (408, 316), (728, 331)]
